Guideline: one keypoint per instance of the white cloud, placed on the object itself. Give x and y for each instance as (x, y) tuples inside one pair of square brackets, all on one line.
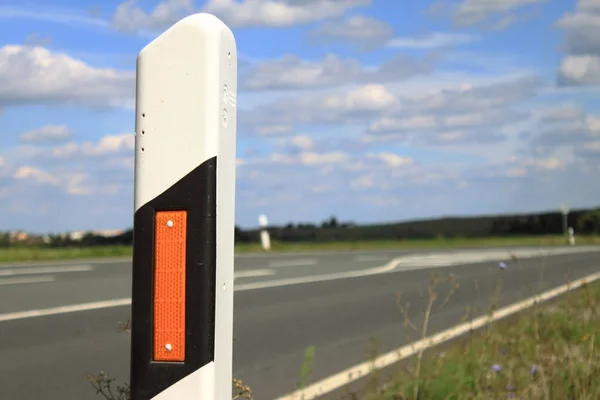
[(74, 183), (563, 112), (581, 29), (36, 175), (54, 15), (550, 163), (467, 114), (279, 13), (291, 72), (368, 97), (476, 112), (313, 158), (593, 124), (129, 17), (389, 124), (35, 75), (393, 160), (473, 12), (581, 65), (48, 133), (516, 172), (335, 107), (505, 21), (5, 168), (304, 158), (273, 130), (303, 142), (362, 31), (432, 40), (363, 182), (108, 145), (580, 70)]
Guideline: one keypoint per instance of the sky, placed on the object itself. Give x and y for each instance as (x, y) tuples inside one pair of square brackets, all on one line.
[(368, 110)]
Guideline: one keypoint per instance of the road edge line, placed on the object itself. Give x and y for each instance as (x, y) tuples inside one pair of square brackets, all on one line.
[(359, 371), (64, 309)]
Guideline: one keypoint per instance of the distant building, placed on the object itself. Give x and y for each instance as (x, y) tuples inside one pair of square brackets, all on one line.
[(78, 235), (109, 232), (18, 236)]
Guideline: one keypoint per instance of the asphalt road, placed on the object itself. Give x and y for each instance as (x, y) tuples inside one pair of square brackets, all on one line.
[(283, 304)]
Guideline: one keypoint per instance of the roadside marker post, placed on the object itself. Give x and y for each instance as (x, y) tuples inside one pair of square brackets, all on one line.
[(183, 252), (265, 238)]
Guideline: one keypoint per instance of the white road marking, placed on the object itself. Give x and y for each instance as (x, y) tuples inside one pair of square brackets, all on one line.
[(45, 270), (22, 281), (448, 259), (248, 286), (356, 372), (389, 267), (61, 263), (292, 263), (253, 273), (64, 309), (320, 278), (371, 258)]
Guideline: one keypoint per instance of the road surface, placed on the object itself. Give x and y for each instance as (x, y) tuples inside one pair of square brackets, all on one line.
[(283, 304)]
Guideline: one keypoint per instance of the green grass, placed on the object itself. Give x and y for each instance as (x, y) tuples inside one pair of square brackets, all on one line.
[(18, 254), (549, 352), (549, 240)]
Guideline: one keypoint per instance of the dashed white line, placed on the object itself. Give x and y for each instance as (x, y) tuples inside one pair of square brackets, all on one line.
[(64, 309), (386, 268), (253, 273), (371, 258), (22, 281), (390, 266), (292, 263), (45, 270)]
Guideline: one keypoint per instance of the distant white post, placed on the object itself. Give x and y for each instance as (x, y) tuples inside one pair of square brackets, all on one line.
[(265, 239), (565, 216), (571, 236), (183, 252)]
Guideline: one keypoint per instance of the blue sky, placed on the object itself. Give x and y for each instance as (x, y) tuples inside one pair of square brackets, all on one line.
[(370, 110)]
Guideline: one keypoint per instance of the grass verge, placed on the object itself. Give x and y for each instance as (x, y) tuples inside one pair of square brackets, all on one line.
[(17, 254), (548, 352)]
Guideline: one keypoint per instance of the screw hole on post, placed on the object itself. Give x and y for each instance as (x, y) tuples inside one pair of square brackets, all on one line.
[(229, 54), (143, 115), (143, 132), (142, 149)]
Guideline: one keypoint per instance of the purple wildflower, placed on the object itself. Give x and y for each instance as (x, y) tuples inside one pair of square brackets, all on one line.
[(534, 370), (502, 265), (496, 367), (511, 389)]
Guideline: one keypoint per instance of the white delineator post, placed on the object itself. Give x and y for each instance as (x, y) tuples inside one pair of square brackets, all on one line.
[(265, 239), (565, 216), (571, 236), (185, 150)]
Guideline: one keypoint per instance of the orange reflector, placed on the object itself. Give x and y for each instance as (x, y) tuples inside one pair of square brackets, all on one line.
[(169, 286)]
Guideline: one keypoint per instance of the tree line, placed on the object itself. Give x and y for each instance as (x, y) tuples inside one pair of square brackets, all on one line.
[(550, 223)]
